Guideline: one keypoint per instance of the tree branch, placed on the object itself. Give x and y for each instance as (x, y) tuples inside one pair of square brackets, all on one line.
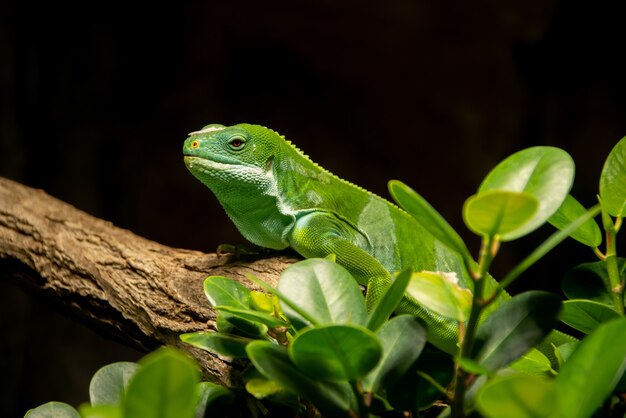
[(142, 292)]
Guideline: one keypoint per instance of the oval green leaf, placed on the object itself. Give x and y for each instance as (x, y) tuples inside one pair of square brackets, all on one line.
[(613, 180), (253, 316), (533, 362), (336, 352), (427, 216), (590, 281), (402, 339), (588, 233), (441, 293), (515, 327), (222, 291), (215, 401), (545, 172), (109, 382), (323, 289), (589, 375), (499, 212), (218, 343), (53, 410), (273, 361), (518, 396), (586, 315), (163, 387)]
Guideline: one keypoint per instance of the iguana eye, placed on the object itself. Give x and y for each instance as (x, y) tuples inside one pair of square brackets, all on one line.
[(195, 144), (237, 143)]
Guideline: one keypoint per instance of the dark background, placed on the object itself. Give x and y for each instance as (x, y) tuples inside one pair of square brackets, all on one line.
[(97, 98)]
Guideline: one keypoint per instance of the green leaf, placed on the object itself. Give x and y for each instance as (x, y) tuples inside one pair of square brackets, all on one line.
[(518, 396), (53, 410), (262, 388), (499, 212), (222, 291), (472, 366), (324, 290), (261, 301), (533, 362), (218, 343), (335, 352), (402, 339), (388, 303), (441, 293), (613, 180), (214, 401), (100, 411), (413, 391), (588, 233), (109, 382), (252, 316), (564, 351), (427, 216), (273, 361), (590, 281), (586, 315), (163, 387), (593, 370), (515, 327), (545, 172)]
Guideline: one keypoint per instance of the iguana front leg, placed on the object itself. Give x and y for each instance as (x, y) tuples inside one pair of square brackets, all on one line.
[(318, 234)]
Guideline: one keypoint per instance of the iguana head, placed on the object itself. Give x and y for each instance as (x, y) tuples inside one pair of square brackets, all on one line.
[(221, 156)]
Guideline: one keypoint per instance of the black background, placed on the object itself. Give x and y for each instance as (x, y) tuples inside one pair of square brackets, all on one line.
[(97, 98)]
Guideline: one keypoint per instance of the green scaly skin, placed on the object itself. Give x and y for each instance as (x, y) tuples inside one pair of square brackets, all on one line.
[(278, 198)]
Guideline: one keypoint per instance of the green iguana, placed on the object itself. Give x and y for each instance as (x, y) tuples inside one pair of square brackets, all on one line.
[(278, 198)]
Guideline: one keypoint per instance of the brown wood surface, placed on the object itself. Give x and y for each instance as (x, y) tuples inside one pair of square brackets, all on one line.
[(144, 293)]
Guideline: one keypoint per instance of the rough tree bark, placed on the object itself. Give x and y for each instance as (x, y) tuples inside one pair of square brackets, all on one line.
[(143, 292)]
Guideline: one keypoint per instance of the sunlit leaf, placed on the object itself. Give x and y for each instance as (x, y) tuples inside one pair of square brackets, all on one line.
[(163, 387), (335, 352), (518, 396), (589, 233), (53, 410), (441, 293), (218, 343), (110, 381), (586, 315), (427, 216), (499, 212), (593, 370), (545, 172), (323, 289), (613, 180)]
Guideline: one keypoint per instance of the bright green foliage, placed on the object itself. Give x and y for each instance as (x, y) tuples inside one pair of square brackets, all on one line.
[(426, 215), (165, 383), (325, 291), (53, 410), (547, 173), (108, 383), (588, 234), (164, 386), (518, 396), (441, 293), (586, 315), (613, 180), (335, 352), (499, 213)]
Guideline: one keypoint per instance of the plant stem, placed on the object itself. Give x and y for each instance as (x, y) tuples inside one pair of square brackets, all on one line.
[(617, 287), (488, 250)]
